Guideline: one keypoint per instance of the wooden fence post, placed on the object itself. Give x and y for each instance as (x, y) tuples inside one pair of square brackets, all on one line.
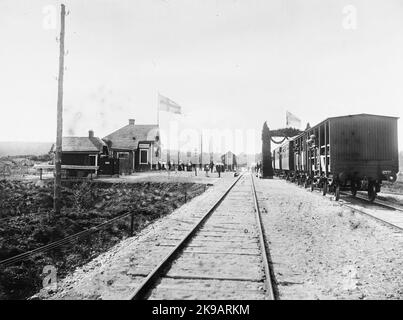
[(132, 224)]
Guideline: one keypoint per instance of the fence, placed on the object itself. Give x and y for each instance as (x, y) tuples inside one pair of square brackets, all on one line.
[(13, 172), (22, 274)]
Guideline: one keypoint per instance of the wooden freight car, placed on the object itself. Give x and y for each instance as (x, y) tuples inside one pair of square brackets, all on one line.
[(354, 152), (283, 160)]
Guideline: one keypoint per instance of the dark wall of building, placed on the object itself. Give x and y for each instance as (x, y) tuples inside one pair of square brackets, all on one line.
[(125, 163), (78, 159)]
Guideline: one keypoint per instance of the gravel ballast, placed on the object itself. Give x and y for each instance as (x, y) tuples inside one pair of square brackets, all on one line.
[(322, 250)]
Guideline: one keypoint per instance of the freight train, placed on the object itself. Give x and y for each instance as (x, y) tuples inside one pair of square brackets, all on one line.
[(353, 152)]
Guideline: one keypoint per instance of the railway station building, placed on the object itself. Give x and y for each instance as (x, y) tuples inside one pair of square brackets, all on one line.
[(136, 146)]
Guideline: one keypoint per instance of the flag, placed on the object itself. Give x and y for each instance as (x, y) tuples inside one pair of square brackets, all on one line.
[(168, 105), (292, 121)]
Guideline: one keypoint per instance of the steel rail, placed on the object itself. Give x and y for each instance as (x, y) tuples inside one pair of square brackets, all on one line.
[(384, 203), (263, 246), (343, 202), (372, 216), (147, 284), (378, 202)]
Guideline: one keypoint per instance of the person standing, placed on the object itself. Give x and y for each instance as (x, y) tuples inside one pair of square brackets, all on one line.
[(206, 168), (211, 166), (218, 168)]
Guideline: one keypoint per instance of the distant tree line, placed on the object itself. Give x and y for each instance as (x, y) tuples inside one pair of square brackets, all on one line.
[(40, 158)]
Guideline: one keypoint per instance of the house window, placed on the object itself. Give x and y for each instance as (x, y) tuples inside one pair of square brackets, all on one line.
[(143, 156), (93, 160), (123, 155)]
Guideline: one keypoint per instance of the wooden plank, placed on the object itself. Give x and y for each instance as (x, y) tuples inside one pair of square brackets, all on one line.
[(66, 166)]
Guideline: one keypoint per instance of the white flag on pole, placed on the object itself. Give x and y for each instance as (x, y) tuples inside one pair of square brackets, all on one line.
[(292, 121), (166, 104)]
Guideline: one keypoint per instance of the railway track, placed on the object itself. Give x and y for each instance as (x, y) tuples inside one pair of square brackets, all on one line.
[(374, 216), (386, 217), (377, 202), (223, 256)]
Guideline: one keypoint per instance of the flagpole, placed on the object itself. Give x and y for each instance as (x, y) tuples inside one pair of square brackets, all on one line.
[(158, 126), (158, 109), (201, 149)]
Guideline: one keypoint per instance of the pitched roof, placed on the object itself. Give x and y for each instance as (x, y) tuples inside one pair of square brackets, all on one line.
[(129, 136), (82, 144)]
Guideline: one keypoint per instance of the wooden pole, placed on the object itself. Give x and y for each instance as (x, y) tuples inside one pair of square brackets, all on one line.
[(201, 150), (158, 110), (59, 133), (131, 224), (266, 165)]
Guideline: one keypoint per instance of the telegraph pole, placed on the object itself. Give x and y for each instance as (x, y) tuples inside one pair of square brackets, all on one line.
[(201, 149), (59, 134)]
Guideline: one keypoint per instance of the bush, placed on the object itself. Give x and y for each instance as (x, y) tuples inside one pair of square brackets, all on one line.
[(41, 158)]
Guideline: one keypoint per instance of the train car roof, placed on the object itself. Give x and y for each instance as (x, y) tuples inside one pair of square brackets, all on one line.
[(346, 116), (363, 114)]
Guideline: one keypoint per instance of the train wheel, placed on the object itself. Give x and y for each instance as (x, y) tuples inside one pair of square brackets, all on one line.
[(324, 188), (371, 192), (337, 193)]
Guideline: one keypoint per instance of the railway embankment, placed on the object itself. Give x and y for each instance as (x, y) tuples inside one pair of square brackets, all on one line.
[(323, 250), (28, 224), (115, 273)]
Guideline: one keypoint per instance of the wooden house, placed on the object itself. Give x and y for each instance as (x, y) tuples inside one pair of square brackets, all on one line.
[(136, 146), (84, 155), (229, 160)]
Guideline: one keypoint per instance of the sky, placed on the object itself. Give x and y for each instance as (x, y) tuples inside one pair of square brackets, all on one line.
[(231, 64)]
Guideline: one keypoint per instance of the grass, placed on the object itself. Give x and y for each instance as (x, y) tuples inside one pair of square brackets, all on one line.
[(28, 223)]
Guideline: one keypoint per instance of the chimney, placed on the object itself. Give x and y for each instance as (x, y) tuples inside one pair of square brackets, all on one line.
[(91, 134), (131, 122)]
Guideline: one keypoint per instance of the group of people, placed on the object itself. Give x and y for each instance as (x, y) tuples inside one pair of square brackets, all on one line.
[(219, 167), (189, 166), (258, 168), (172, 166)]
